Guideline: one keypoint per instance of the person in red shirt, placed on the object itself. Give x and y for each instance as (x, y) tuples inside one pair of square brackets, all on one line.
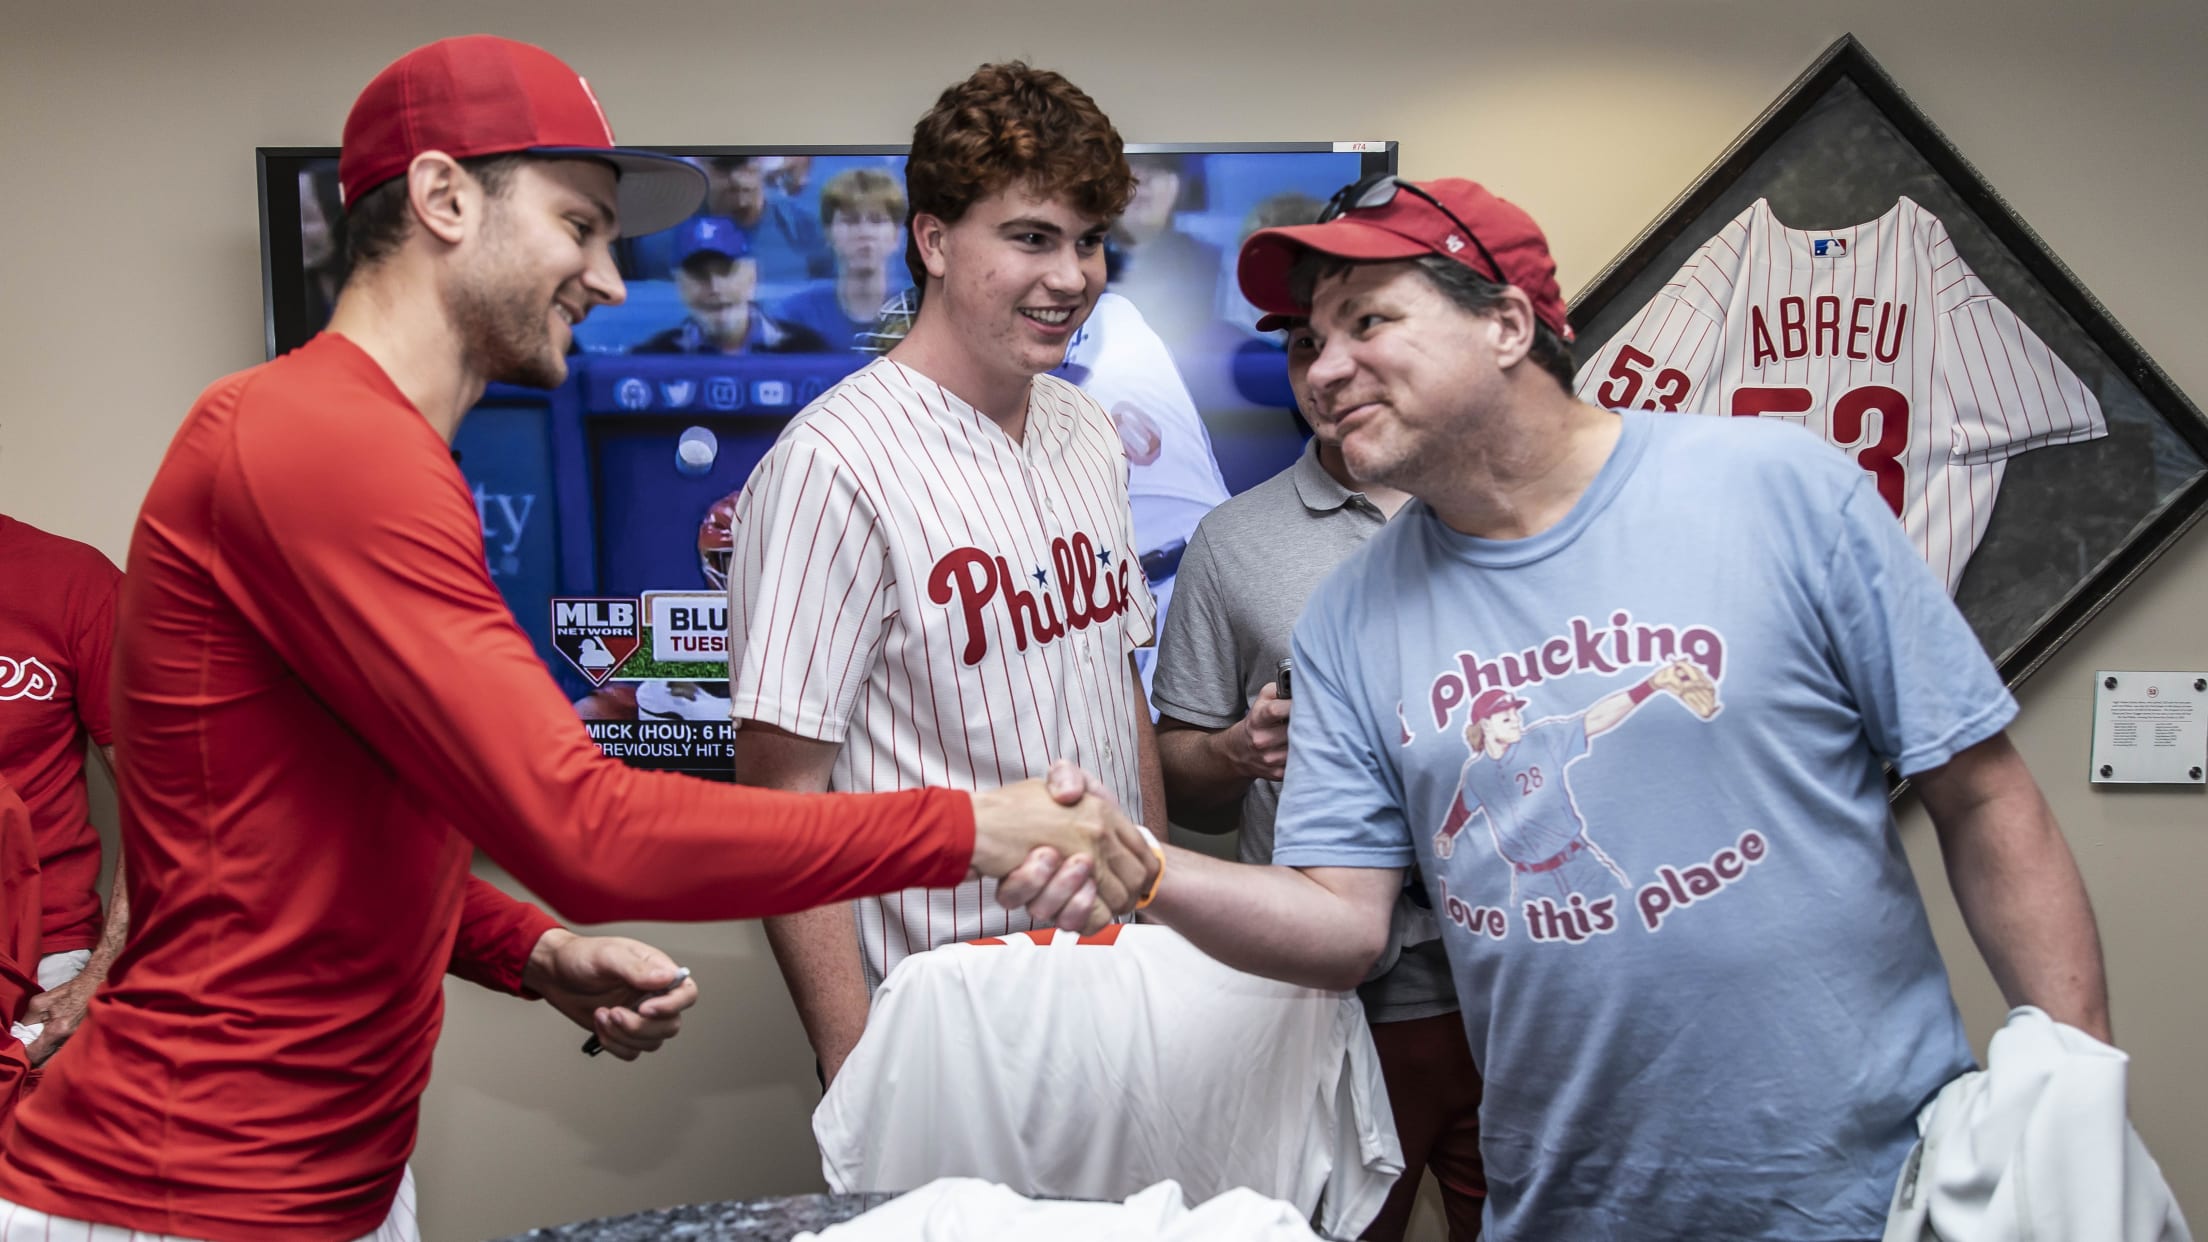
[(19, 920), (57, 629), (323, 707)]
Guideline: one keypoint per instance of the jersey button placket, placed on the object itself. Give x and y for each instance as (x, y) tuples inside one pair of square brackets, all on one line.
[(1046, 500), (1034, 453)]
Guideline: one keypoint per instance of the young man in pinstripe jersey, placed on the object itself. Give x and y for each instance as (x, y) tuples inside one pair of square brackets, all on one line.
[(933, 576)]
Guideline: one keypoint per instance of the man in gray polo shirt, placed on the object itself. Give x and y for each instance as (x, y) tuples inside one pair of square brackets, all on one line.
[(1223, 740)]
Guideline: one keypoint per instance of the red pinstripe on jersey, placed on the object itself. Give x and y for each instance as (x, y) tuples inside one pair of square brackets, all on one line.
[(885, 488), (1827, 341)]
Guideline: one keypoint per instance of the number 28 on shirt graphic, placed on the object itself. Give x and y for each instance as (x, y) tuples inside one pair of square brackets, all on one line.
[(1517, 779)]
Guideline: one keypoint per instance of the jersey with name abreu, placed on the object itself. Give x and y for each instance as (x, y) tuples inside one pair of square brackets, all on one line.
[(1878, 338)]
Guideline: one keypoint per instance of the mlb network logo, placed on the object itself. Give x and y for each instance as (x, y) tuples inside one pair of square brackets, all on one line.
[(1829, 247)]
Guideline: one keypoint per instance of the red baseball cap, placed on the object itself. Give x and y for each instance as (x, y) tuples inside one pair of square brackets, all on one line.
[(1494, 703), (483, 95), (1407, 226)]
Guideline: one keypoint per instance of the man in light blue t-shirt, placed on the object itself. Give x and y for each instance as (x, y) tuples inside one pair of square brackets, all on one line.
[(1623, 687)]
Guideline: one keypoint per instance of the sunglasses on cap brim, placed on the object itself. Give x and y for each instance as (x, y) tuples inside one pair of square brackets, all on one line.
[(1380, 189)]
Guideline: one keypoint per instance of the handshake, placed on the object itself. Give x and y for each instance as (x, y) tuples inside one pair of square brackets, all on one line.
[(1062, 847)]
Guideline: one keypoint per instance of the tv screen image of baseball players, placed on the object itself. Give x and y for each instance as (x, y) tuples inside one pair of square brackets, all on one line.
[(611, 489)]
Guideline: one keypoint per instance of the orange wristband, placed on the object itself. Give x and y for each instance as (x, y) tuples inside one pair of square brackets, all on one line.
[(1159, 850)]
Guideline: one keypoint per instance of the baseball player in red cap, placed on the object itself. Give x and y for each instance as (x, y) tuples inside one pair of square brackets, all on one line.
[(1735, 1042), (323, 708)]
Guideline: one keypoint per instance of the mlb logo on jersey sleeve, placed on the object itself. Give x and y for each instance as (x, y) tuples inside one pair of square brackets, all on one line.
[(1829, 247)]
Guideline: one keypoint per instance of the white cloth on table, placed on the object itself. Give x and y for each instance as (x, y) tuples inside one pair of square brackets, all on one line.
[(1091, 1068)]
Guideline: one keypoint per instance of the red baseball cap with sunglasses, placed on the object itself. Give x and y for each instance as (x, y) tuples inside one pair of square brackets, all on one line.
[(1386, 218)]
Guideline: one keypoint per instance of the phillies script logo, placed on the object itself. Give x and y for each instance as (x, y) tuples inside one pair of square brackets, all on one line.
[(1080, 571), (27, 678)]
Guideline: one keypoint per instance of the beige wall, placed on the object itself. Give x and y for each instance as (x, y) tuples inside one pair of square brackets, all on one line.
[(127, 134)]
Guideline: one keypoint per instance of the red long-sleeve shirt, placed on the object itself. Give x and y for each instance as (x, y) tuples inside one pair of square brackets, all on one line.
[(57, 626), (321, 701)]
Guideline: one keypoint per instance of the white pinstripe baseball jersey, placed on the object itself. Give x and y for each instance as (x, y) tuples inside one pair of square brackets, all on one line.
[(22, 1224), (955, 608), (1879, 338)]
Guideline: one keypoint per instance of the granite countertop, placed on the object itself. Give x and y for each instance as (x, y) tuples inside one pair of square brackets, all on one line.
[(752, 1220), (742, 1220)]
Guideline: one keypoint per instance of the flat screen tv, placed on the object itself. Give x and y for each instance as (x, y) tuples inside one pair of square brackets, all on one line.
[(597, 498)]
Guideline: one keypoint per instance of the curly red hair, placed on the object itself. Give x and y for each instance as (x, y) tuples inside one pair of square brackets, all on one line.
[(1012, 123)]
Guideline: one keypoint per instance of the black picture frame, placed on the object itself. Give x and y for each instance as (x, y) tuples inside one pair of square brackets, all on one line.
[(2074, 524)]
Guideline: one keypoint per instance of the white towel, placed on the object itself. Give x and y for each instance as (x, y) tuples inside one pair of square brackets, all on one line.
[(2034, 1148)]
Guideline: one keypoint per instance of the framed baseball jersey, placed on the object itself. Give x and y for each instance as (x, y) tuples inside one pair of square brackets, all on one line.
[(1878, 338), (1843, 267)]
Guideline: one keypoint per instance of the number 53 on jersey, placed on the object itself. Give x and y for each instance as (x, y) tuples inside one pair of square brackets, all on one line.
[(1879, 339)]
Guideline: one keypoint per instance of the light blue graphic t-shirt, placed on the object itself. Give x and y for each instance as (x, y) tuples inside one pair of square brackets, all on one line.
[(1694, 965)]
